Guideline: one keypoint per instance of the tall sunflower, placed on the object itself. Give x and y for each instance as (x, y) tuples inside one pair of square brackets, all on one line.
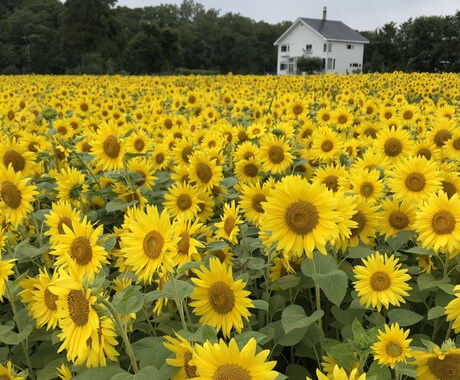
[(184, 351), (381, 282), (62, 213), (204, 171), (221, 362), (187, 246), (148, 243), (392, 346), (440, 364), (252, 197), (275, 154), (71, 186), (108, 146), (396, 216), (366, 185), (15, 195), (182, 200), (300, 216), (437, 223), (221, 301), (228, 227)]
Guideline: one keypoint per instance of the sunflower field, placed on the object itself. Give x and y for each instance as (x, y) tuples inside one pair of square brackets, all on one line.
[(230, 227)]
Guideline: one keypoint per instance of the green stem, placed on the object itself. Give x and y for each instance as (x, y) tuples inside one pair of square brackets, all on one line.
[(178, 302), (122, 331), (87, 168), (449, 330), (24, 343), (318, 305)]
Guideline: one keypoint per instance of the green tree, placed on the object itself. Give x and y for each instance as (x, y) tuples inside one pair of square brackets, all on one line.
[(309, 65)]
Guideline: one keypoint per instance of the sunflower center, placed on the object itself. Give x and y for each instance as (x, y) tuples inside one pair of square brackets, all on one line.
[(370, 132), (32, 146), (184, 202), (276, 154), (153, 244), (301, 217), (331, 182), (221, 297), (408, 114), (78, 307), (257, 199), (62, 130), (229, 224), (447, 369), (139, 144), (392, 147), (231, 372), (184, 243), (64, 220), (327, 146), (81, 250), (250, 170), (307, 133), (342, 119), (15, 159), (203, 172), (456, 144), (366, 189), (186, 152), (393, 349), (325, 117), (443, 222), (11, 195), (449, 188), (248, 155), (111, 146), (86, 147), (359, 218), (242, 136), (190, 370), (159, 158), (425, 152), (415, 182), (220, 254), (297, 109), (441, 137), (380, 281), (398, 220), (50, 300)]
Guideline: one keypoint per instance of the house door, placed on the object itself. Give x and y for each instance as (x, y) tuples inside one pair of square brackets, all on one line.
[(291, 69)]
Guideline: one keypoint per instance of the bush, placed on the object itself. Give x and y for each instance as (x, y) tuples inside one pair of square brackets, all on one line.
[(309, 65)]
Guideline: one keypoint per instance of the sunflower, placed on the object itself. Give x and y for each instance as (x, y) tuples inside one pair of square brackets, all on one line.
[(329, 364), (427, 149), (206, 206), (16, 195), (331, 175), (64, 372), (182, 151), (108, 146), (138, 142), (440, 364), (204, 171), (62, 213), (245, 151), (161, 157), (183, 351), (437, 223), (380, 281), (221, 301), (452, 146), (42, 302), (396, 216), (252, 197), (452, 310), (300, 216), (275, 154), (182, 200), (393, 143), (450, 182), (78, 247), (392, 346), (347, 223), (77, 316), (71, 186), (17, 155), (6, 269), (414, 179), (342, 118), (248, 171), (221, 362), (366, 185), (327, 145), (297, 109), (324, 117), (148, 243), (441, 131), (187, 246), (339, 373), (228, 227), (7, 372)]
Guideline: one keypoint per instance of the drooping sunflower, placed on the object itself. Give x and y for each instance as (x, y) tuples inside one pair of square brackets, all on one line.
[(221, 301), (78, 247), (184, 351), (392, 346), (148, 243), (275, 154), (187, 246), (15, 195), (437, 223), (396, 216), (252, 197), (182, 200), (71, 186), (41, 301), (218, 362), (62, 213), (300, 216), (7, 372), (228, 227), (108, 146), (6, 269), (414, 179), (440, 364), (452, 310), (204, 171), (381, 281)]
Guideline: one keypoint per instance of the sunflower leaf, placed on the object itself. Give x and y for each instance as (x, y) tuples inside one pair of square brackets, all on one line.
[(435, 312), (333, 284), (129, 300), (404, 317), (184, 289), (377, 372), (294, 317)]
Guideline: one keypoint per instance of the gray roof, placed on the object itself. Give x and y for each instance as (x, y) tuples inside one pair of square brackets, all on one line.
[(334, 30)]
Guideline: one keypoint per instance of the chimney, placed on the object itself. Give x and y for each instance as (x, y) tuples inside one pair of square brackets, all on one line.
[(324, 14)]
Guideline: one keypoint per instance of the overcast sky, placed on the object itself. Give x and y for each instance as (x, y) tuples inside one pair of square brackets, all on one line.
[(357, 14)]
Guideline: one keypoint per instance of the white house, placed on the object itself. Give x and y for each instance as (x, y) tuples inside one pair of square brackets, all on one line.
[(340, 47)]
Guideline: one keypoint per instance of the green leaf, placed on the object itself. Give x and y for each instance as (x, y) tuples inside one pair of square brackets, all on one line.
[(342, 354), (427, 281), (296, 372), (319, 264), (285, 282), (357, 328), (109, 243), (293, 337), (187, 266), (404, 317), (420, 251), (334, 285), (359, 252), (118, 205), (294, 317), (377, 372), (129, 300), (184, 289), (435, 312), (229, 181), (100, 373), (401, 238), (243, 338), (276, 303), (216, 246), (260, 304), (13, 338)]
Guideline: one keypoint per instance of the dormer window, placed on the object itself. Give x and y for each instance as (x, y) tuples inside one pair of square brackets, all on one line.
[(284, 48), (350, 46)]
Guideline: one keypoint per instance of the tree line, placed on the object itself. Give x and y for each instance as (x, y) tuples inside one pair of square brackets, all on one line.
[(97, 37)]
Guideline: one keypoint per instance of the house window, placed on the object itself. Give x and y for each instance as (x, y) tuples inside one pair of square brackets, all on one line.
[(284, 48), (283, 66), (329, 47), (350, 46), (329, 63), (355, 65), (324, 48), (308, 47), (333, 64)]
